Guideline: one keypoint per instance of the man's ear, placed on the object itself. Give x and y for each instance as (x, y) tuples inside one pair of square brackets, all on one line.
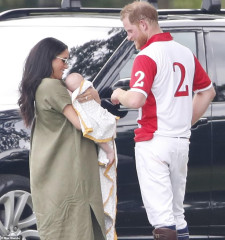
[(143, 25)]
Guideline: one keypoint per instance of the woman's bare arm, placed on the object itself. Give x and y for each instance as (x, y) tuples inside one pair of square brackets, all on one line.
[(71, 115)]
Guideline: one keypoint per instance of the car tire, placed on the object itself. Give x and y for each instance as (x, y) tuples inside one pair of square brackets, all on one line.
[(16, 209)]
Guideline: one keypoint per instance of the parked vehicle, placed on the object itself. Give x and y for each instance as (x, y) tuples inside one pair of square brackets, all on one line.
[(101, 53)]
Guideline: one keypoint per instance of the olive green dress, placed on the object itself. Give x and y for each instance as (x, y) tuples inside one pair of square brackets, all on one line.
[(65, 184)]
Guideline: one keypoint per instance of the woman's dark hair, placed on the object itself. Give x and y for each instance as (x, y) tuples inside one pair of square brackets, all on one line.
[(38, 65)]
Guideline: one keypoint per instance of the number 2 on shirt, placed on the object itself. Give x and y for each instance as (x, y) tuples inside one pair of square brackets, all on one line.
[(178, 92), (139, 82)]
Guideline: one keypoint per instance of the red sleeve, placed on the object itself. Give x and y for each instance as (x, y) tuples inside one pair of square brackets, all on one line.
[(143, 73), (201, 78)]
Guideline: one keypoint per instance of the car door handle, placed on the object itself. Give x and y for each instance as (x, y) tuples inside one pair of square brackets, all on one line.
[(201, 121)]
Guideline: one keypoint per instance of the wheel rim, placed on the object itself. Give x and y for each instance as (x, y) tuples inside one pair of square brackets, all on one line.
[(16, 215)]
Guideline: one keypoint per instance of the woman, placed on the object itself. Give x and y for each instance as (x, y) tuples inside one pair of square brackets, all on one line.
[(64, 173)]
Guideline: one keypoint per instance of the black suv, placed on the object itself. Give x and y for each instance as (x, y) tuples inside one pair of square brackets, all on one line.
[(100, 52)]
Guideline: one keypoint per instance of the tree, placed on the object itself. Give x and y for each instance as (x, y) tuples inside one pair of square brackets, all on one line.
[(87, 60)]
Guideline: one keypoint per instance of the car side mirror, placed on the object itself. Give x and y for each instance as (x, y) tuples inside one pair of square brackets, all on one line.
[(123, 83), (114, 109), (117, 110)]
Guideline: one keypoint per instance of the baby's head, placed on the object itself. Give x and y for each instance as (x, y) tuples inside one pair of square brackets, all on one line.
[(73, 81)]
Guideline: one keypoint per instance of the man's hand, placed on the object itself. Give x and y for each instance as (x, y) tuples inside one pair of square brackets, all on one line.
[(129, 99), (115, 96)]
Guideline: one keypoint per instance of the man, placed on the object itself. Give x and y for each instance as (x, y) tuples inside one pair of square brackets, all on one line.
[(164, 74)]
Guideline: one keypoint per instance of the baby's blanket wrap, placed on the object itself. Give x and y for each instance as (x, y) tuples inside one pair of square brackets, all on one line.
[(100, 126)]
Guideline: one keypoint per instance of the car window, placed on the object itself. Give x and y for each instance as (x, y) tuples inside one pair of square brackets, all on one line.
[(90, 48), (217, 40), (126, 70), (187, 39)]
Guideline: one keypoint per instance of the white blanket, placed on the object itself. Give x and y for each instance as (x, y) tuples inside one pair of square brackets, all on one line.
[(100, 125)]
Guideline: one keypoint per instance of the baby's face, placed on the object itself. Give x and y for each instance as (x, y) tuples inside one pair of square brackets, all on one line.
[(73, 82)]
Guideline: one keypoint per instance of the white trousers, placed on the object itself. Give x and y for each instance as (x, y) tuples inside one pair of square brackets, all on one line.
[(162, 170)]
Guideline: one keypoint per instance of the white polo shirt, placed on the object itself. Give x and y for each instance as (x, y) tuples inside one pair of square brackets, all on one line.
[(167, 73)]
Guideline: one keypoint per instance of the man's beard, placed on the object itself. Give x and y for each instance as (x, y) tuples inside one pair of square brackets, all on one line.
[(141, 41)]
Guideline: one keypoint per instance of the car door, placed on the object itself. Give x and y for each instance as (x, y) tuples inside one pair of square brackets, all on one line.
[(215, 38)]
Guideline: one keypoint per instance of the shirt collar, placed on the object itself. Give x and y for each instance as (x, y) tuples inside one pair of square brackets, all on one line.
[(158, 38)]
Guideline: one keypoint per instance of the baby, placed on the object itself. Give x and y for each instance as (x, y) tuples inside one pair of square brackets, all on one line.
[(96, 122)]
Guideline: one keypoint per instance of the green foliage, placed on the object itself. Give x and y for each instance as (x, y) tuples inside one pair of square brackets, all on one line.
[(106, 3), (88, 60), (194, 4), (9, 4)]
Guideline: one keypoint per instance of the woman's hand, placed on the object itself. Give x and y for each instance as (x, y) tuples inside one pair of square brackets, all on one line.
[(89, 94)]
